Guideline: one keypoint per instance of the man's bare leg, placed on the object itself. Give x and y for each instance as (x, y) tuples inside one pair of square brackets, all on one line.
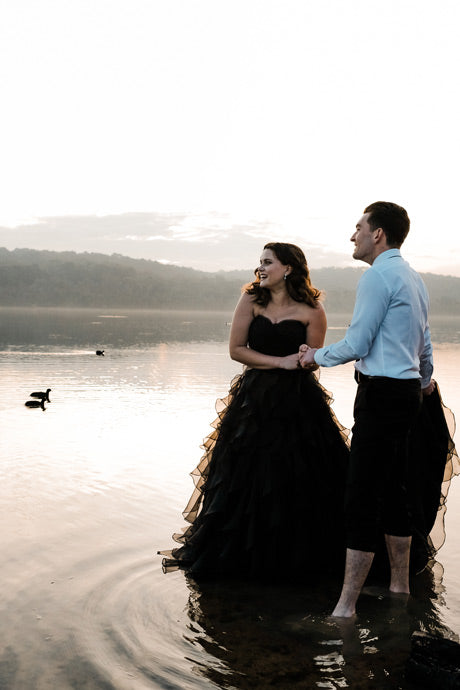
[(357, 566), (399, 553)]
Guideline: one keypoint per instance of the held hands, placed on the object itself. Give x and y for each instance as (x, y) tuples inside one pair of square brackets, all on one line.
[(303, 358), (307, 357)]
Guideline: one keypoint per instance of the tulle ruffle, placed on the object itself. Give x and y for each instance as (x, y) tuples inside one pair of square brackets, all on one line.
[(268, 497), (433, 463)]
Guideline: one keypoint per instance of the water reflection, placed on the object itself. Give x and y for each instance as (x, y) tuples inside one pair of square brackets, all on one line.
[(98, 330), (94, 487), (93, 329), (282, 637)]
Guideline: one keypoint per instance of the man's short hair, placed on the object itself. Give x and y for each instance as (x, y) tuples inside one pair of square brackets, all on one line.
[(393, 220)]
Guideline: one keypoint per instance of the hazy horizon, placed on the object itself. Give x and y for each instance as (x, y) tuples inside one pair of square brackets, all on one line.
[(192, 132), (208, 243)]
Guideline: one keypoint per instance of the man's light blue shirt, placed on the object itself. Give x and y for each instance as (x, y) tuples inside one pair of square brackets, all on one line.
[(389, 333)]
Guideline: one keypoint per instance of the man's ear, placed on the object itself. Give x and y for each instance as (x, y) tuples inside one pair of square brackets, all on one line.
[(379, 235)]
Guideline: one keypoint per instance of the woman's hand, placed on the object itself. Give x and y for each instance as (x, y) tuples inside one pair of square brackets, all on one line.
[(289, 362)]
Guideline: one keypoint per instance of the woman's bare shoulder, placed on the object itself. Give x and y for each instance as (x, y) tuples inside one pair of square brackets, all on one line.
[(245, 305), (313, 314)]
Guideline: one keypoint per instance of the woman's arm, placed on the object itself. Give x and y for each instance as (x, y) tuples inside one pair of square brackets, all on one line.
[(316, 332), (317, 326), (238, 345)]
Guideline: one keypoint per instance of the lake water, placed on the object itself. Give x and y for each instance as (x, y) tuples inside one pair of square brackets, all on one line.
[(94, 485)]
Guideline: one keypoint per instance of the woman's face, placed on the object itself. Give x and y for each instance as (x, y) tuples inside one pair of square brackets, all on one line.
[(271, 271)]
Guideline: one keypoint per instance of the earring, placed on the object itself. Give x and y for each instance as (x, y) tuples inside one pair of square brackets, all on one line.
[(285, 276)]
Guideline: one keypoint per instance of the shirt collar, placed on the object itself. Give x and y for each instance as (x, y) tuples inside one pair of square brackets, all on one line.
[(389, 254)]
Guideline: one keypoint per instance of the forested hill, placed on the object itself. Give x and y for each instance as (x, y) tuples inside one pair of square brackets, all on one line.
[(44, 278)]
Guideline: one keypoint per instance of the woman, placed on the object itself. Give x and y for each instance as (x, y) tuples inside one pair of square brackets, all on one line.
[(269, 489)]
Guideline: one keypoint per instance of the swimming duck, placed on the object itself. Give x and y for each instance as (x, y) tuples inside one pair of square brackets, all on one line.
[(41, 395), (35, 403)]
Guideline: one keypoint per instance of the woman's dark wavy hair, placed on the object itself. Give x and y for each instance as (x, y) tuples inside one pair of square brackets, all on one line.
[(298, 283)]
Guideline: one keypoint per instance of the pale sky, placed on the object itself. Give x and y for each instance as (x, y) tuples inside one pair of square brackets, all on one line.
[(193, 131)]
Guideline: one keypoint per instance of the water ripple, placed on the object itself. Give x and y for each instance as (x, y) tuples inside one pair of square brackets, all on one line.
[(135, 637)]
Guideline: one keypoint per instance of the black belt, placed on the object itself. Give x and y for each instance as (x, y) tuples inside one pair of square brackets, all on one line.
[(360, 378)]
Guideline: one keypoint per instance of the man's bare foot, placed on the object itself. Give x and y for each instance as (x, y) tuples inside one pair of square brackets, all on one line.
[(343, 612)]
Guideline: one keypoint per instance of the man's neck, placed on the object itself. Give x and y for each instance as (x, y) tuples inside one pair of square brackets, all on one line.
[(380, 250)]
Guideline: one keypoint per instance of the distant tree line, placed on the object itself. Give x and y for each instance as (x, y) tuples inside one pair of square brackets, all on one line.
[(68, 279)]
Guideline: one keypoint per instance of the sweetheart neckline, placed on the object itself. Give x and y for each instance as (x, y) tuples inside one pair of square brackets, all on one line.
[(277, 323)]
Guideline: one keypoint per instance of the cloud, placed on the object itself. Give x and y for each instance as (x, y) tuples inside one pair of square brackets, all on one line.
[(209, 242), (206, 241), (150, 238)]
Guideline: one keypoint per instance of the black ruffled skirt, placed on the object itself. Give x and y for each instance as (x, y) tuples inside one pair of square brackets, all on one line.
[(268, 499), (433, 461)]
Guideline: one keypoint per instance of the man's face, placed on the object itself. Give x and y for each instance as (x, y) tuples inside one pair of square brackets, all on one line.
[(363, 238)]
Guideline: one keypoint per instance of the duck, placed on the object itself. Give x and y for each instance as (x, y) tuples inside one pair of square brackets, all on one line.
[(36, 403), (100, 353), (42, 395)]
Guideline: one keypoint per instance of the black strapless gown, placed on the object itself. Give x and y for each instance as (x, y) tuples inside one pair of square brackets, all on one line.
[(268, 502), (268, 499)]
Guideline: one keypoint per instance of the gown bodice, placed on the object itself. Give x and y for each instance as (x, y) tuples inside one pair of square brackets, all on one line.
[(277, 339)]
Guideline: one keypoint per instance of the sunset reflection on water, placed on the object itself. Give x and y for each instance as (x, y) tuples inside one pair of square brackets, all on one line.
[(94, 485)]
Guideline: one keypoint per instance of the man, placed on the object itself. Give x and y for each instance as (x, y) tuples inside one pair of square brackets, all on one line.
[(390, 340)]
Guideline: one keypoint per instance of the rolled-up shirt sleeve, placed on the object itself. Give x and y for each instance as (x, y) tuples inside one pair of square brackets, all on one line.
[(372, 299), (426, 360)]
